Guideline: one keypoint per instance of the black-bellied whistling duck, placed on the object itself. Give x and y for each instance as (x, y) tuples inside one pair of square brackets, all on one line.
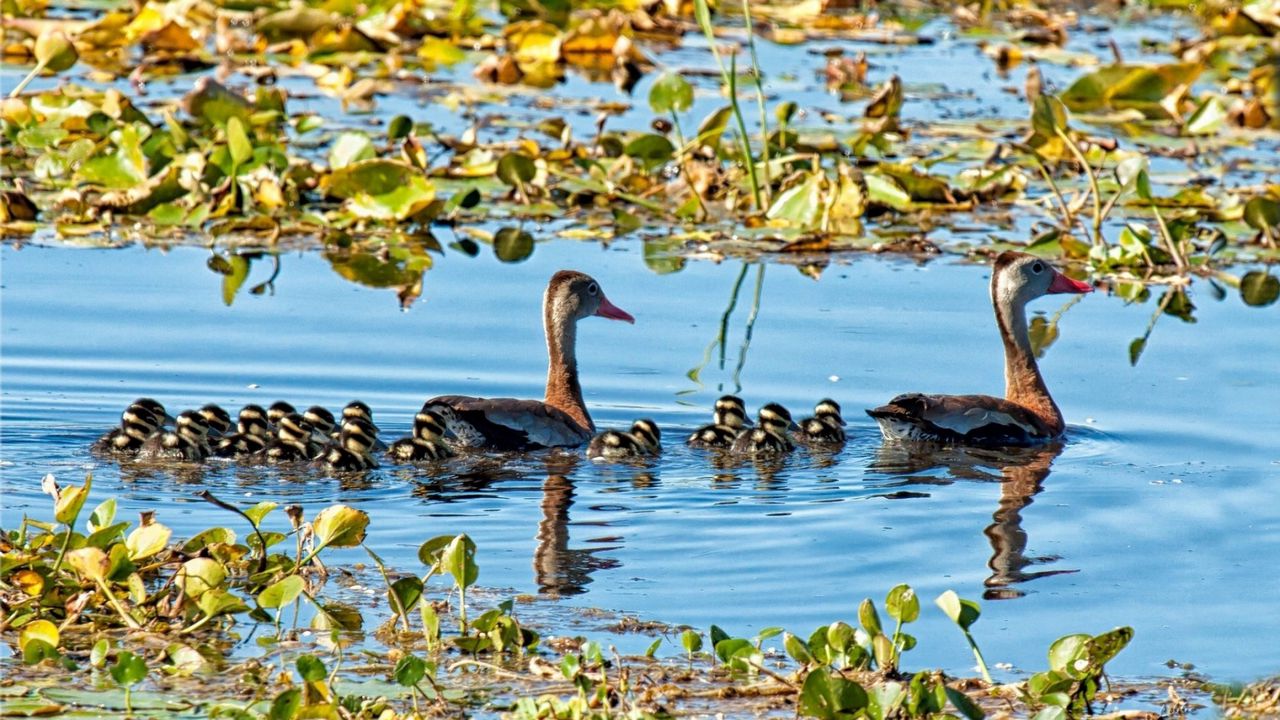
[(188, 441), (352, 451), (728, 419), (560, 419), (322, 421), (770, 437), (216, 418), (426, 442), (826, 427), (643, 439), (143, 418), (1026, 415)]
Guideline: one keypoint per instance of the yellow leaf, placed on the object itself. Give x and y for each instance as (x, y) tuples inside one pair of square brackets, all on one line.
[(38, 630), (200, 575), (534, 41), (67, 508), (340, 526), (31, 582), (146, 541), (90, 562), (147, 21)]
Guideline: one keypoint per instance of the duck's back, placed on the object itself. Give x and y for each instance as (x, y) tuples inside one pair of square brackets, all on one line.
[(506, 423), (980, 420)]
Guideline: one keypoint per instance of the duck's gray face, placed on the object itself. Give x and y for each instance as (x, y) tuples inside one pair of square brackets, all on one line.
[(1019, 278), (357, 435), (576, 295), (775, 418), (428, 426), (647, 432)]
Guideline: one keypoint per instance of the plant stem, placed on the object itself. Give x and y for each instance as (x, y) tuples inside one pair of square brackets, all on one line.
[(1093, 183), (30, 76), (62, 552), (977, 654), (1169, 243), (111, 598), (759, 82), (729, 78), (395, 599)]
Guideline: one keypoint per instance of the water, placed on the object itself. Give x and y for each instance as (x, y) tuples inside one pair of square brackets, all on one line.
[(1158, 513)]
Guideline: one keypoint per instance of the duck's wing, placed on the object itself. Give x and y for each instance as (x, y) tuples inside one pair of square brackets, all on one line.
[(506, 423), (961, 419)]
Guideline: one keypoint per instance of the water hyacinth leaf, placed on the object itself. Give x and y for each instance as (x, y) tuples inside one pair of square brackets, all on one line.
[(257, 513), (652, 650), (887, 191), (238, 142), (1106, 646), (902, 604), (799, 206), (458, 559), (55, 51), (516, 169), (285, 706), (69, 501), (869, 618), (407, 591), (410, 670), (883, 651), (380, 189), (220, 602), (30, 582), (691, 641), (1069, 655), (1151, 89), (625, 222), (441, 52), (1128, 172), (1208, 118), (311, 668), (1262, 213), (670, 93), (199, 575), (282, 592), (962, 612), (98, 654), (512, 245), (966, 706), (399, 128), (1259, 289), (147, 540), (39, 631), (212, 103), (830, 696), (90, 562), (185, 660), (350, 147), (429, 553), (129, 669), (340, 526), (883, 699), (840, 635), (1048, 116), (797, 649), (712, 127), (650, 149)]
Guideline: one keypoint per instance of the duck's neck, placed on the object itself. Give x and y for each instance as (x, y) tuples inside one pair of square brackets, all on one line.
[(1023, 383), (563, 391)]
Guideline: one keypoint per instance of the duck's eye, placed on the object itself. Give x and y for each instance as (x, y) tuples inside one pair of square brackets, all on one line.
[(1037, 267), (593, 289)]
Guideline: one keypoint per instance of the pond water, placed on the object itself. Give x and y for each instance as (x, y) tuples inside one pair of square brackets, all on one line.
[(1158, 513)]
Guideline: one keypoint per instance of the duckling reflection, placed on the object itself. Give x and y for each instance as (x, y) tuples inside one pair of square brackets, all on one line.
[(1022, 472)]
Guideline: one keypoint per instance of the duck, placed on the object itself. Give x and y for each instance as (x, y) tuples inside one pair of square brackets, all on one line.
[(352, 451), (293, 441), (143, 418), (560, 419), (358, 410), (251, 436), (278, 410), (826, 427), (188, 441), (1026, 415), (218, 420), (321, 420), (426, 442), (643, 439), (728, 418), (770, 437)]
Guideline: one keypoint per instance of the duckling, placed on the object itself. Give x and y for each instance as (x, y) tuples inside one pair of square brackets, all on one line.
[(321, 419), (826, 427), (643, 439), (142, 419), (251, 436), (770, 438), (293, 441), (351, 453), (278, 410), (189, 440), (218, 420), (730, 415), (426, 443), (360, 411)]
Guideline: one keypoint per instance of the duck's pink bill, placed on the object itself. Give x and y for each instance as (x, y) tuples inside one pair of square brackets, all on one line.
[(1063, 284), (613, 312)]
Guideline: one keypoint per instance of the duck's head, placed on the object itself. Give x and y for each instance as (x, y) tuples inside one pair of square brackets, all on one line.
[(293, 428), (647, 432), (572, 295), (357, 435), (218, 419), (278, 410), (153, 407), (139, 421), (829, 409), (252, 420), (428, 426), (357, 410), (775, 418), (1018, 278), (731, 412), (191, 425), (320, 418)]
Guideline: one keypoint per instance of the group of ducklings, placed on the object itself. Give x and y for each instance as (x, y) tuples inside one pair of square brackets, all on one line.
[(278, 434), (775, 432)]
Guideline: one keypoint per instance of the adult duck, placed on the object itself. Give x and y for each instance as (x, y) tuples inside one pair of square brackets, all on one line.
[(561, 418), (1026, 415)]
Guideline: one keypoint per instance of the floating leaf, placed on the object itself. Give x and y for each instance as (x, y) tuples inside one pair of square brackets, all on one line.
[(799, 206), (281, 593), (410, 670), (340, 526), (39, 631), (1153, 90), (69, 501), (962, 612), (516, 169), (351, 147), (380, 189), (670, 93), (1259, 289), (147, 540), (199, 575), (238, 142)]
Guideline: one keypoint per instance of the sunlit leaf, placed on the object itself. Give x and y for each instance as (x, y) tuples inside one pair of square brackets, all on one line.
[(129, 669), (147, 540), (669, 93), (199, 575), (1259, 289), (41, 631), (340, 526), (902, 604), (71, 500), (282, 592), (350, 147), (962, 612), (90, 562)]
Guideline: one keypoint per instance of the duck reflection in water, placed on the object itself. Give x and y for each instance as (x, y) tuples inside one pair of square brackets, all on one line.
[(561, 571), (1022, 472)]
